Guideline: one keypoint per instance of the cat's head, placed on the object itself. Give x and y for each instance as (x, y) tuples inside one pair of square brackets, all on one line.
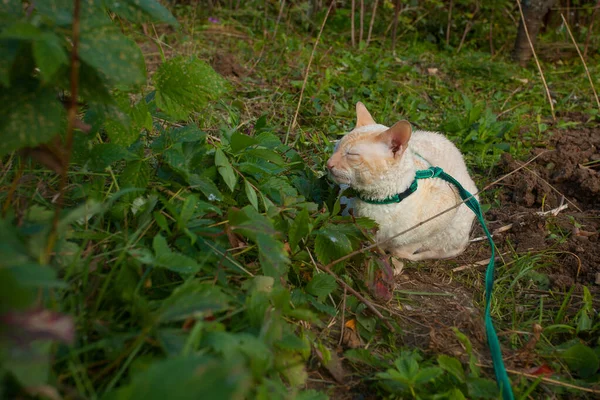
[(369, 153)]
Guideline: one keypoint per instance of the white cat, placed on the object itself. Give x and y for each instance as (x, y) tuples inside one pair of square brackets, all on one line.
[(380, 162)]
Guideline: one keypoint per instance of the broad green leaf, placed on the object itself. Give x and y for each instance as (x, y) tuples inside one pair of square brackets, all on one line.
[(104, 154), (135, 175), (125, 131), (206, 186), (21, 30), (251, 194), (452, 365), (299, 228), (239, 142), (185, 85), (272, 256), (142, 10), (581, 360), (8, 54), (49, 55), (60, 12), (481, 388), (427, 374), (193, 298), (321, 285), (292, 368), (120, 62), (331, 244), (36, 276), (311, 394), (28, 117), (29, 364), (225, 169), (265, 154), (187, 378), (177, 262)]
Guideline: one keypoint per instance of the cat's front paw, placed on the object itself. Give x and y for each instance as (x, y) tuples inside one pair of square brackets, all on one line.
[(398, 266)]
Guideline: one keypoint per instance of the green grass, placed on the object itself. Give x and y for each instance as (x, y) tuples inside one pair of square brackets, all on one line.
[(188, 257)]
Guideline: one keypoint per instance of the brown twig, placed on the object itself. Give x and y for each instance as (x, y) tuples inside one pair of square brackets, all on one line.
[(546, 380), (347, 256), (587, 71), (343, 317), (71, 121), (362, 21), (397, 6), (312, 54), (373, 13), (468, 28), (537, 62), (359, 296), (352, 24), (449, 22)]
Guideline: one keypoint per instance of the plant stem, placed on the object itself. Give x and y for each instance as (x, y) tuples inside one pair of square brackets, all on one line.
[(71, 117)]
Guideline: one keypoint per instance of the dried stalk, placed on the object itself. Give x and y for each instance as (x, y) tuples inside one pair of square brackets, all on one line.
[(537, 62), (312, 54), (71, 120), (373, 14), (587, 71)]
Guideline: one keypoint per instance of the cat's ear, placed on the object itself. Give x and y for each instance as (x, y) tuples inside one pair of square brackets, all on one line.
[(362, 116), (397, 137)]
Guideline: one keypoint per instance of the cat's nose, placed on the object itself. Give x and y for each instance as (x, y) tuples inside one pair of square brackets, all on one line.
[(330, 164)]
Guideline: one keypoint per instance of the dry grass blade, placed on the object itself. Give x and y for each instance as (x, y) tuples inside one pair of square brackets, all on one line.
[(347, 256), (312, 54), (547, 380), (587, 71), (537, 62)]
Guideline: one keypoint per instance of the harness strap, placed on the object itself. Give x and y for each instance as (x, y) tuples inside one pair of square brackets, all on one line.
[(471, 202)]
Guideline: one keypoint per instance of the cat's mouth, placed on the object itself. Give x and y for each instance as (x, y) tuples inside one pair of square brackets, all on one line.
[(339, 177)]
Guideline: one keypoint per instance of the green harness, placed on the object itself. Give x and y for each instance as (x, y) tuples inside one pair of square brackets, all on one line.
[(473, 204)]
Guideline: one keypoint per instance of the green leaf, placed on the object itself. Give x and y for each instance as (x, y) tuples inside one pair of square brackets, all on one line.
[(427, 374), (28, 117), (272, 256), (239, 142), (170, 260), (311, 394), (136, 174), (21, 30), (104, 154), (453, 366), (193, 298), (8, 54), (185, 85), (225, 169), (49, 55), (206, 186), (251, 194), (331, 244), (581, 360), (142, 11), (189, 378), (481, 388), (321, 285), (299, 228), (120, 61)]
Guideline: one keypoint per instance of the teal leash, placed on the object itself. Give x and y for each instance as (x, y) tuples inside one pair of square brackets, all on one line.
[(471, 202)]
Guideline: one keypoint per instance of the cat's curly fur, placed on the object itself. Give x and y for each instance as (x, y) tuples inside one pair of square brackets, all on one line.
[(379, 162)]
